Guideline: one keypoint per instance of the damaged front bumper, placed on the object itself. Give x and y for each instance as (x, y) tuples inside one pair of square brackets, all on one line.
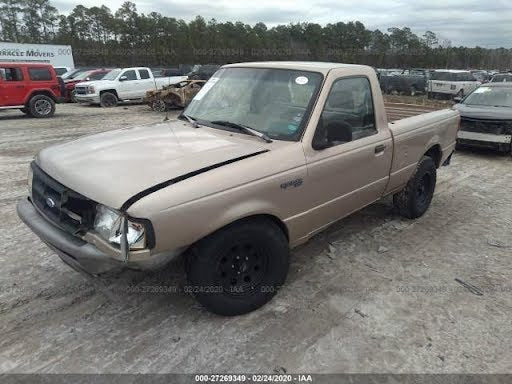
[(82, 255)]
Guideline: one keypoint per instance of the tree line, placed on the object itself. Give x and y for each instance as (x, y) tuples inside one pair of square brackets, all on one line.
[(127, 37)]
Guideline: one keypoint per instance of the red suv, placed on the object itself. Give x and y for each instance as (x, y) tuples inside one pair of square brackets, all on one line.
[(31, 87)]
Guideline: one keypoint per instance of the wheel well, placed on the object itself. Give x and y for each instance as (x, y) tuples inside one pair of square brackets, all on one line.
[(273, 218), (109, 90), (45, 93), (435, 154)]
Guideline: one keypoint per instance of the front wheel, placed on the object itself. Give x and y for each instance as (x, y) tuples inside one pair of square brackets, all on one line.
[(41, 106), (414, 200), (108, 100), (238, 268)]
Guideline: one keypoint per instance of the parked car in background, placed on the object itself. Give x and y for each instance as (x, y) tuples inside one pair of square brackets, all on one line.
[(62, 70), (75, 72), (451, 83), (33, 88), (204, 72), (264, 157), (502, 78), (165, 72), (486, 117), (121, 85), (91, 75), (411, 82), (481, 75)]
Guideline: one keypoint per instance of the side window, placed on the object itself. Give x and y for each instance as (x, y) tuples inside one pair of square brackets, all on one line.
[(348, 113), (144, 74), (130, 75), (39, 74), (11, 74)]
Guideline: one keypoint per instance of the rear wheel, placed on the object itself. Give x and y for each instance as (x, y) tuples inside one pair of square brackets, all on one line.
[(108, 100), (414, 200), (41, 106), (239, 268)]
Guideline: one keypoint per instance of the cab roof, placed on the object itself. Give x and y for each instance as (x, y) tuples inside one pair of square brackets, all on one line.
[(315, 66)]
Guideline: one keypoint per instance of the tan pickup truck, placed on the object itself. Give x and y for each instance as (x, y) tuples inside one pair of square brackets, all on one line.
[(264, 157)]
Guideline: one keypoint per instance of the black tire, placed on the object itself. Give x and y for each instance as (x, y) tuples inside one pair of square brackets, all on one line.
[(238, 268), (108, 100), (414, 200), (72, 96), (41, 106)]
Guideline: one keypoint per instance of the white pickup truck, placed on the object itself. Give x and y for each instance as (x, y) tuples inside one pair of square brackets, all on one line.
[(120, 85)]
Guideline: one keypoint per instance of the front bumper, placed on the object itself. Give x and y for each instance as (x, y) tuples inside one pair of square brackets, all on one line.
[(79, 254), (485, 137), (93, 99)]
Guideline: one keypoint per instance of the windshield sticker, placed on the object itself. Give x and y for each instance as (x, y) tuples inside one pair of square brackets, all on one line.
[(206, 88), (482, 90), (301, 80)]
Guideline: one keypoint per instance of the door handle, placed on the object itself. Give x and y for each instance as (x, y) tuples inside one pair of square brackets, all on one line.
[(20, 86), (380, 148)]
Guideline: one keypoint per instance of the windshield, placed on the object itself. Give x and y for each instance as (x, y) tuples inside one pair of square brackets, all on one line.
[(490, 96), (82, 75), (112, 74), (502, 78), (276, 102)]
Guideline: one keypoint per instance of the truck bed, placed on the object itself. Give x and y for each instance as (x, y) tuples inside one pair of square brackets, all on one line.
[(398, 111)]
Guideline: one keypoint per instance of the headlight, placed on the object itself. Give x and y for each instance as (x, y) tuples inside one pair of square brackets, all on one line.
[(90, 89), (29, 180), (108, 224)]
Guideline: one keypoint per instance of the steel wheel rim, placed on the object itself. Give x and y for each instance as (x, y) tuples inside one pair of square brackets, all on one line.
[(242, 268), (43, 107)]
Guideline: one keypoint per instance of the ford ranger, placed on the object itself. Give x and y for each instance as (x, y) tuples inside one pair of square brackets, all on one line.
[(265, 156), (120, 85)]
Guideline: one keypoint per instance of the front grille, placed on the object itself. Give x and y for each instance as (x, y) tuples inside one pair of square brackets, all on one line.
[(496, 127), (67, 209), (80, 90)]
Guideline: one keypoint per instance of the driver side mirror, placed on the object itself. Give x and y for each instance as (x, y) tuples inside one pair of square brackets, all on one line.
[(320, 143), (123, 78)]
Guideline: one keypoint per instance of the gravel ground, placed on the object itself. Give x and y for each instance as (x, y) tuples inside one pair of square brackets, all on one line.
[(373, 293)]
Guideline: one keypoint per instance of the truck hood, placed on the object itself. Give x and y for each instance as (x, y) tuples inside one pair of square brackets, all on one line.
[(100, 83), (484, 112), (112, 167)]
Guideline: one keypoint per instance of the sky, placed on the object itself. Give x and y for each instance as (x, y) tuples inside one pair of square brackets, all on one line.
[(464, 22)]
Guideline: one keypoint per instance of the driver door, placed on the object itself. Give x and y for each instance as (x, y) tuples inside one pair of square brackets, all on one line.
[(350, 154), (127, 88)]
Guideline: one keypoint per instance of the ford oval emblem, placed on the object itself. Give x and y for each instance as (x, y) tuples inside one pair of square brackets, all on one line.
[(50, 202)]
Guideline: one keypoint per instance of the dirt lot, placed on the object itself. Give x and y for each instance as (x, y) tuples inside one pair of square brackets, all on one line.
[(374, 293)]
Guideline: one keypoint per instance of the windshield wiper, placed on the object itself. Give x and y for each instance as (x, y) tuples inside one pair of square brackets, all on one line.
[(243, 128), (190, 120)]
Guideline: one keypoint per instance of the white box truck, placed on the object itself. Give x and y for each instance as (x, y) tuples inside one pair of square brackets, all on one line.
[(60, 56)]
